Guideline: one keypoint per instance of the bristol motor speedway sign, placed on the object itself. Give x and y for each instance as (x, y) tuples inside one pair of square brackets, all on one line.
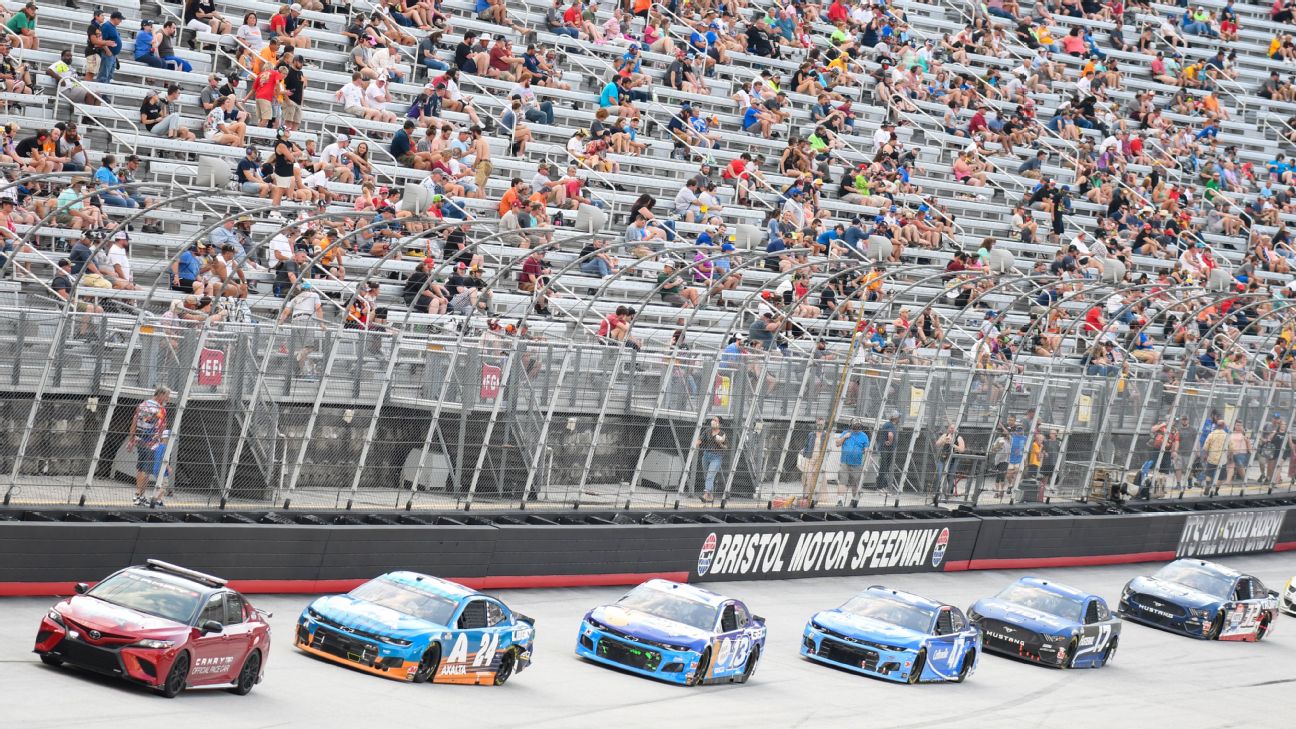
[(758, 553)]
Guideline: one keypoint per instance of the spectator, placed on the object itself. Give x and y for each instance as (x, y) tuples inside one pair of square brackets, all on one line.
[(305, 310), (712, 446), (22, 25), (265, 90), (201, 16), (888, 444), (596, 261), (110, 47), (223, 126), (145, 436), (287, 25), (854, 443), (249, 176), (156, 118), (111, 192), (146, 43)]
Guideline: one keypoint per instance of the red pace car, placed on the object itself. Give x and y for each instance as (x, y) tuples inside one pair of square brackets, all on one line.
[(160, 625)]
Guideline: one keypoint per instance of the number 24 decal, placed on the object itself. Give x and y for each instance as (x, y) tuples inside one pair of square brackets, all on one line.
[(485, 650)]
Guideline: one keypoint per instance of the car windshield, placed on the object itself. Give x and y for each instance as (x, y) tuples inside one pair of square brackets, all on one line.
[(891, 611), (148, 594), (670, 606), (1044, 601), (1202, 580), (407, 600)]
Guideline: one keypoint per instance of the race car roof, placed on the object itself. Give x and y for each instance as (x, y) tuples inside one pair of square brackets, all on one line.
[(689, 591), (1056, 588), (907, 598), (431, 585), (1215, 567)]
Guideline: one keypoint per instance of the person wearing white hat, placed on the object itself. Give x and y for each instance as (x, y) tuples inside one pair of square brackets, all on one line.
[(287, 25)]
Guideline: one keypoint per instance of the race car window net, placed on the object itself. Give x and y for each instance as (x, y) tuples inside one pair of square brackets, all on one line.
[(670, 606), (728, 620), (1091, 612), (891, 611), (138, 591), (740, 612), (1044, 601), (406, 600), (944, 623)]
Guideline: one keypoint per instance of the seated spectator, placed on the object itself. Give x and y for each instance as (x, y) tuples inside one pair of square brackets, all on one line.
[(596, 261), (22, 26), (155, 117)]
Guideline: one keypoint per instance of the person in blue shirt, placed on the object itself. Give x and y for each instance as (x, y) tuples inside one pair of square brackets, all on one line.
[(826, 238), (186, 269), (854, 234), (106, 177), (610, 95), (853, 441), (1210, 131), (144, 52), (108, 32)]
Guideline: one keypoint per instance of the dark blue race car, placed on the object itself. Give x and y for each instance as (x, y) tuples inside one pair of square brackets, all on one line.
[(1202, 599), (1045, 622), (896, 636), (676, 633)]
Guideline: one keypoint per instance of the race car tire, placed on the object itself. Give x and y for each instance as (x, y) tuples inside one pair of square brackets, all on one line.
[(249, 675), (1071, 649), (919, 664), (428, 665), (969, 659), (505, 670), (1262, 630), (1110, 653), (50, 660), (704, 663), (177, 677), (750, 667), (1216, 627)]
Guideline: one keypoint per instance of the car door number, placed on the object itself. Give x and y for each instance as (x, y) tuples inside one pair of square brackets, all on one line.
[(1094, 645), (732, 652), (486, 650)]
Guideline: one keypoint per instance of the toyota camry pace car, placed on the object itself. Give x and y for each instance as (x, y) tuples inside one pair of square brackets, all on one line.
[(896, 636), (160, 625), (412, 627), (1048, 623), (1287, 602), (1201, 600), (676, 633)]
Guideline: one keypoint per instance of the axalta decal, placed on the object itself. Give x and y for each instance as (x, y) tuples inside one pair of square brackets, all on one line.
[(1230, 532), (772, 552)]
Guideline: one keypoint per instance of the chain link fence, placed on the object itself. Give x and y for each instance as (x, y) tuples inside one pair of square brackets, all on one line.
[(264, 416)]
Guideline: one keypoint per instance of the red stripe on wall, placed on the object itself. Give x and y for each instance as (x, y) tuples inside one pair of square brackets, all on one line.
[(956, 565), (1284, 546), (1089, 561), (252, 587)]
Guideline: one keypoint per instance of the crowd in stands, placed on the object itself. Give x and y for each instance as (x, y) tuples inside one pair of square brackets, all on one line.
[(840, 189)]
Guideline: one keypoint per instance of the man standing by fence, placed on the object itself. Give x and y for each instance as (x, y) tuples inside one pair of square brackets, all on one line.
[(145, 436), (887, 445)]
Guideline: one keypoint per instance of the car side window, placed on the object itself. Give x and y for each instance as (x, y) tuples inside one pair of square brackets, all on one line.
[(1103, 612), (233, 609), (957, 620), (944, 622), (473, 616), (728, 619), (494, 614), (1243, 589), (740, 612), (1091, 612), (213, 610)]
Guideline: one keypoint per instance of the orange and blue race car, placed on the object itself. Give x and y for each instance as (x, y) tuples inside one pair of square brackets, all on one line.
[(676, 633), (417, 628)]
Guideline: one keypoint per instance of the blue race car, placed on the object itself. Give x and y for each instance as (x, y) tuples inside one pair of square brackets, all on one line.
[(677, 633), (1202, 599), (412, 627), (1049, 623), (896, 636)]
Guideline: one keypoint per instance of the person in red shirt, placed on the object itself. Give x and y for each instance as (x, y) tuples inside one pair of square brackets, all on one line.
[(503, 64), (978, 122), (533, 272), (1093, 321), (265, 90)]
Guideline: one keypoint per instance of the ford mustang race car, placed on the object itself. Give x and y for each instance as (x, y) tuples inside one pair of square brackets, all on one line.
[(1202, 600), (677, 633), (1287, 603), (412, 627), (896, 636), (1045, 622), (160, 625)]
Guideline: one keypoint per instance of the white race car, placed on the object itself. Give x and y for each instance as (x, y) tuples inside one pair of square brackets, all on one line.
[(1287, 600)]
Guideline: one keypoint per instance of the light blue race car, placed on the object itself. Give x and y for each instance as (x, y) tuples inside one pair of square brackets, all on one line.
[(674, 632), (417, 628), (896, 636)]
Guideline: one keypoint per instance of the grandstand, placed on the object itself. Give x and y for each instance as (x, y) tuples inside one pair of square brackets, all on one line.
[(1142, 281)]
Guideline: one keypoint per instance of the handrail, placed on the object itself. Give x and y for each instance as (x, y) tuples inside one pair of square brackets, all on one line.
[(103, 104), (339, 121)]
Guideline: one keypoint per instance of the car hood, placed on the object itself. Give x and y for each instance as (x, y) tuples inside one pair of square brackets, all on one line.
[(115, 620), (349, 612), (1026, 617), (1176, 593), (878, 631), (650, 627)]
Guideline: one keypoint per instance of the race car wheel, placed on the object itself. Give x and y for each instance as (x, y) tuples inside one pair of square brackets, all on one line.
[(919, 664), (247, 677), (428, 665), (176, 677), (704, 663), (1216, 627), (1110, 653), (505, 670), (1071, 649), (750, 668), (50, 660), (1262, 630), (968, 659)]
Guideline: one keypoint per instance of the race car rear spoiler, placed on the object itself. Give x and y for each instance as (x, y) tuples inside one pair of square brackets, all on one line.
[(525, 619)]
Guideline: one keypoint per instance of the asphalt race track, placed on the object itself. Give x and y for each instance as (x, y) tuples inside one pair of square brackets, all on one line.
[(1156, 680)]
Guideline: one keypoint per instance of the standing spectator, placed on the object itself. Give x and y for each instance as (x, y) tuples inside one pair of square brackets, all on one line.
[(306, 311), (147, 427), (713, 447), (1272, 437), (1239, 454), (294, 93), (284, 166), (265, 88), (949, 445), (1215, 459), (854, 443), (888, 444), (111, 47)]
